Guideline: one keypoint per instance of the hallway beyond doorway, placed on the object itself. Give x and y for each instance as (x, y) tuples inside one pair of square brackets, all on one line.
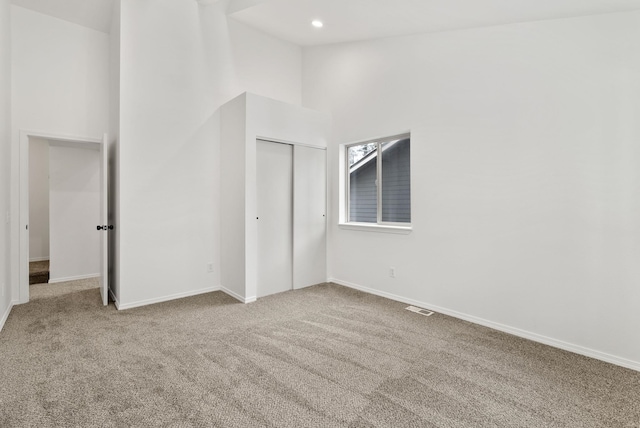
[(39, 272)]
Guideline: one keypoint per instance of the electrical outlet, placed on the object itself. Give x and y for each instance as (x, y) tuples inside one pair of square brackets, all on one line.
[(209, 267), (392, 272)]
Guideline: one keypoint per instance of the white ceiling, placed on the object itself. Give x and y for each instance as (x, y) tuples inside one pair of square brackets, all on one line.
[(94, 14), (350, 20)]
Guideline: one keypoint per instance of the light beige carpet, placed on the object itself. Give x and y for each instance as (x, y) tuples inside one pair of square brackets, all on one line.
[(325, 356)]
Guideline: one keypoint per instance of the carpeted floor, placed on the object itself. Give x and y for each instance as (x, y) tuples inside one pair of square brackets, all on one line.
[(325, 356)]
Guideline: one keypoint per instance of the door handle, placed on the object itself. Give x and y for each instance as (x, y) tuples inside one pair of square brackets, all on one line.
[(105, 227)]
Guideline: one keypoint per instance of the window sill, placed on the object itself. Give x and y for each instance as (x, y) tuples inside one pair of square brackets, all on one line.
[(382, 228)]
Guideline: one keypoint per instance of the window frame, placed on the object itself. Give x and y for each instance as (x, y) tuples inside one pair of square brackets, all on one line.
[(387, 226)]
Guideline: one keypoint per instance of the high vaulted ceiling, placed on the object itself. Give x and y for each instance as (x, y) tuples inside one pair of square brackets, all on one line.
[(350, 20), (94, 14)]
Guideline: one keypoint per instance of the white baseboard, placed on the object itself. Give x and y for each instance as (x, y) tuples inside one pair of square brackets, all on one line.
[(309, 285), (6, 315), (73, 278), (122, 306), (38, 259), (577, 349), (237, 296)]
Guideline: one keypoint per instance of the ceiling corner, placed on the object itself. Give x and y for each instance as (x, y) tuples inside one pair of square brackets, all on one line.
[(238, 5)]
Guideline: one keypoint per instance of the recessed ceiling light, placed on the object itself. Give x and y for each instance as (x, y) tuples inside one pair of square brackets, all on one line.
[(317, 23)]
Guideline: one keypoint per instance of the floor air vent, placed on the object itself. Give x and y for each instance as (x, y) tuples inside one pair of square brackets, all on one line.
[(420, 311)]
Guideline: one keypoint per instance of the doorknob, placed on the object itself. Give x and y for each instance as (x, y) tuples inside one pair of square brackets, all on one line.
[(105, 227), (99, 227)]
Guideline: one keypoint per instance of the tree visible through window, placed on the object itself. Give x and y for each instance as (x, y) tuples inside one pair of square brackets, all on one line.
[(379, 181), (356, 153)]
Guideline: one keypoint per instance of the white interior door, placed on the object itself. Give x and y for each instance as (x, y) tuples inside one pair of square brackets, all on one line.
[(309, 213), (104, 237), (274, 217)]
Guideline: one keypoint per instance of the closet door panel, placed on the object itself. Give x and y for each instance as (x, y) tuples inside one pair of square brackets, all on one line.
[(309, 218), (274, 217)]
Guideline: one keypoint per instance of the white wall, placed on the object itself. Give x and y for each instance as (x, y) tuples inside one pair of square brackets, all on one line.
[(38, 199), (61, 75), (5, 158), (74, 212), (233, 147), (60, 85), (114, 140), (525, 175), (179, 63), (265, 65)]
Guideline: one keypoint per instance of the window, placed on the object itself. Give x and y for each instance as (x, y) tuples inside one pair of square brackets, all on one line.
[(378, 181)]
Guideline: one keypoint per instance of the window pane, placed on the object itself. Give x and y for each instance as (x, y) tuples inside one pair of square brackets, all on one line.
[(396, 184), (363, 197)]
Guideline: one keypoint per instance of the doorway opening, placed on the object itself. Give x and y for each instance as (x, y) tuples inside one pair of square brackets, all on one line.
[(63, 206), (39, 190)]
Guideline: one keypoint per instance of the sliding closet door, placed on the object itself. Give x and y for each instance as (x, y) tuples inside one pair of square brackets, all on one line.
[(309, 230), (275, 217)]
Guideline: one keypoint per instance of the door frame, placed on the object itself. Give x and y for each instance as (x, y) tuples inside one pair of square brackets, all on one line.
[(22, 245)]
